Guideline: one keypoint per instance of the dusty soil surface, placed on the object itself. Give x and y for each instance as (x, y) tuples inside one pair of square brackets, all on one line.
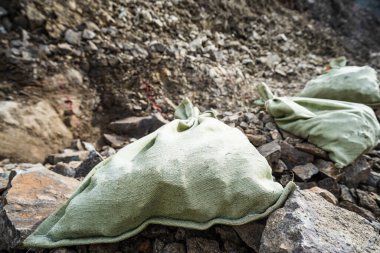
[(99, 61)]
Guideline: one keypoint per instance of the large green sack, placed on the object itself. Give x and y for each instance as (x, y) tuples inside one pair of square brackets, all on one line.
[(351, 84), (345, 130), (193, 172)]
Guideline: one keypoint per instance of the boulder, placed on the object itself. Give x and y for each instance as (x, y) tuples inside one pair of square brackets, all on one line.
[(30, 132), (34, 193), (309, 223)]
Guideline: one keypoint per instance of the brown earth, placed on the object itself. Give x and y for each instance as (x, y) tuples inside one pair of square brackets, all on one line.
[(132, 58)]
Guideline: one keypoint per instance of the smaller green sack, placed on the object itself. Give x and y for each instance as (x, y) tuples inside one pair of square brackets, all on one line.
[(351, 84), (344, 130)]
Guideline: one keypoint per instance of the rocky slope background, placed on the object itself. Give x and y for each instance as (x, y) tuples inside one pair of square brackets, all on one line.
[(81, 79)]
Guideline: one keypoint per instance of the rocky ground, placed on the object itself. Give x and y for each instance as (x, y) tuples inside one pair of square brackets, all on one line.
[(340, 207), (105, 73)]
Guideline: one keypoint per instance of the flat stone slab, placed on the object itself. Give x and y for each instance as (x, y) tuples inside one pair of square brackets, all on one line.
[(35, 193)]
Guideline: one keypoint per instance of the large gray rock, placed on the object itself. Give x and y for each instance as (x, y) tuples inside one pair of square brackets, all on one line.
[(309, 223)]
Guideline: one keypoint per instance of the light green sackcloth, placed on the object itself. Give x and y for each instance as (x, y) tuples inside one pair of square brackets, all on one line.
[(345, 83), (345, 130), (193, 172)]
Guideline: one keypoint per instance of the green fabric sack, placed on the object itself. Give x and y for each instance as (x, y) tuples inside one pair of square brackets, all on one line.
[(193, 172), (345, 130), (351, 84)]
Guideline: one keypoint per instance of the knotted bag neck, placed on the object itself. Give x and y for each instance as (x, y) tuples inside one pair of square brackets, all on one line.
[(189, 115)]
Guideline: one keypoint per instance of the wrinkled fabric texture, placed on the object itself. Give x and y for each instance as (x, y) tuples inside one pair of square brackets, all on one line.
[(351, 84), (193, 172), (345, 130)]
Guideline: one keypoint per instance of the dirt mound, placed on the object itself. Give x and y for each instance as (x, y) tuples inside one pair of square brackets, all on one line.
[(108, 60)]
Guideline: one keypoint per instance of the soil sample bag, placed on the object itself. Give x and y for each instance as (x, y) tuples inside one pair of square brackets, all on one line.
[(345, 130), (351, 84), (193, 172)]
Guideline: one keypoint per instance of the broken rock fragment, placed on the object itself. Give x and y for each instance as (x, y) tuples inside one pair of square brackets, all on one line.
[(328, 168), (174, 247), (311, 149), (256, 139), (72, 37), (331, 185), (293, 157), (251, 233), (324, 194), (67, 156), (271, 151), (137, 126), (115, 141), (198, 244), (66, 169), (369, 200), (34, 194), (305, 172), (88, 164), (359, 210), (358, 172)]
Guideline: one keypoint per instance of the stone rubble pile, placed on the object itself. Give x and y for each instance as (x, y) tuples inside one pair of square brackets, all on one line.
[(328, 199)]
